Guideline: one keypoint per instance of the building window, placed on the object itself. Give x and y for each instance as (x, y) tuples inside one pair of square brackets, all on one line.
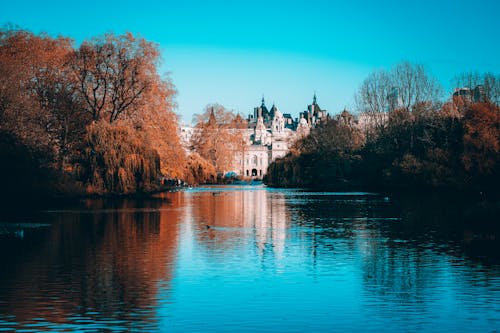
[(247, 173), (260, 172)]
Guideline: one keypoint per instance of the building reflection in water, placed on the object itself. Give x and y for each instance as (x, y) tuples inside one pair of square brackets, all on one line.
[(208, 258), (223, 218)]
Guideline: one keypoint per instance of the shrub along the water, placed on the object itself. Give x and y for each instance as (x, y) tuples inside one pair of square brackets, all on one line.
[(414, 150)]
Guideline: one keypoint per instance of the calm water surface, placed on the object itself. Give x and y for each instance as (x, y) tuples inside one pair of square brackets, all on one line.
[(228, 259)]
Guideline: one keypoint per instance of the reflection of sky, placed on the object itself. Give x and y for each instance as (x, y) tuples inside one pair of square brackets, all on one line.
[(262, 258), (232, 53), (269, 260), (273, 263), (279, 265)]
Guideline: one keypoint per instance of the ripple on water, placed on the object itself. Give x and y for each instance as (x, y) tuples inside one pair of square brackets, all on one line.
[(269, 260)]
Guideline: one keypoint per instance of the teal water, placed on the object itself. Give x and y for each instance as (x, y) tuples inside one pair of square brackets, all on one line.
[(243, 258)]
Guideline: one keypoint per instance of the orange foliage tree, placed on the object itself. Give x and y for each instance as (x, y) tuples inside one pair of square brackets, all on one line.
[(119, 82), (127, 165), (218, 137), (114, 73), (159, 124), (38, 101), (54, 98), (482, 139), (199, 170)]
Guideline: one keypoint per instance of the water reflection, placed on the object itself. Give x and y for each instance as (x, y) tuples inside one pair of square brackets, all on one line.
[(100, 265), (251, 259), (222, 218)]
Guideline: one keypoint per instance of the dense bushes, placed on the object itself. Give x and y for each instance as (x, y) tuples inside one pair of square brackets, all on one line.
[(414, 150), (328, 157), (20, 167), (404, 138)]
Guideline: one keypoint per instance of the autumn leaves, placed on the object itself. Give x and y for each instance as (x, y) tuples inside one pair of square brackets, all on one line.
[(55, 99)]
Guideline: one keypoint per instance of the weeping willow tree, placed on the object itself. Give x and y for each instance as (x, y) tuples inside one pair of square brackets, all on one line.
[(117, 160), (199, 170), (118, 78), (99, 115)]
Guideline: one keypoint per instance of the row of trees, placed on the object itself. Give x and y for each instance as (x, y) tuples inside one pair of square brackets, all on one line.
[(489, 81), (96, 118), (417, 142)]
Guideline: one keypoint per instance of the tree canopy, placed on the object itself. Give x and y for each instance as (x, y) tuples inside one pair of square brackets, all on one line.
[(54, 99), (217, 136)]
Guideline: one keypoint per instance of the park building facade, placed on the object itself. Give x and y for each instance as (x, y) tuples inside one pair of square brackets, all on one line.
[(268, 136)]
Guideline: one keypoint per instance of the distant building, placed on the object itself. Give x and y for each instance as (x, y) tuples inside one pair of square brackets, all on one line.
[(314, 115), (462, 95), (268, 136), (369, 122), (262, 110), (479, 94), (185, 134), (468, 95)]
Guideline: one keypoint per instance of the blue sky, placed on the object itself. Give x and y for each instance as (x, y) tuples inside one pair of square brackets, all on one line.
[(232, 52)]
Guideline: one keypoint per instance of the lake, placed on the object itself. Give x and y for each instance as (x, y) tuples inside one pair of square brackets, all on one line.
[(250, 258)]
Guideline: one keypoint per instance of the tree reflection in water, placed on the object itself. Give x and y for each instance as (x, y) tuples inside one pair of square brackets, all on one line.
[(234, 258), (101, 263)]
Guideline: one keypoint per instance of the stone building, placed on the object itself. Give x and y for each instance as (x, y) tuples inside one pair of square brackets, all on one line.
[(268, 136), (314, 115), (469, 95)]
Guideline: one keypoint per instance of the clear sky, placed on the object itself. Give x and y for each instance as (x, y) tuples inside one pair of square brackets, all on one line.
[(232, 52)]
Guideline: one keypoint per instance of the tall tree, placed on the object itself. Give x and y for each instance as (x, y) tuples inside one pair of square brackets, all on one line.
[(414, 84), (114, 73), (489, 81), (371, 99), (37, 95), (217, 137), (482, 139), (160, 124), (405, 87)]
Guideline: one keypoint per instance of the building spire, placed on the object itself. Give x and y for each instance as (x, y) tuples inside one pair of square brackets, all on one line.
[(263, 100), (211, 118), (314, 98)]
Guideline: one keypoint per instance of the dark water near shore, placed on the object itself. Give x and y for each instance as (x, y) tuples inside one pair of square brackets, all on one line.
[(251, 259)]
